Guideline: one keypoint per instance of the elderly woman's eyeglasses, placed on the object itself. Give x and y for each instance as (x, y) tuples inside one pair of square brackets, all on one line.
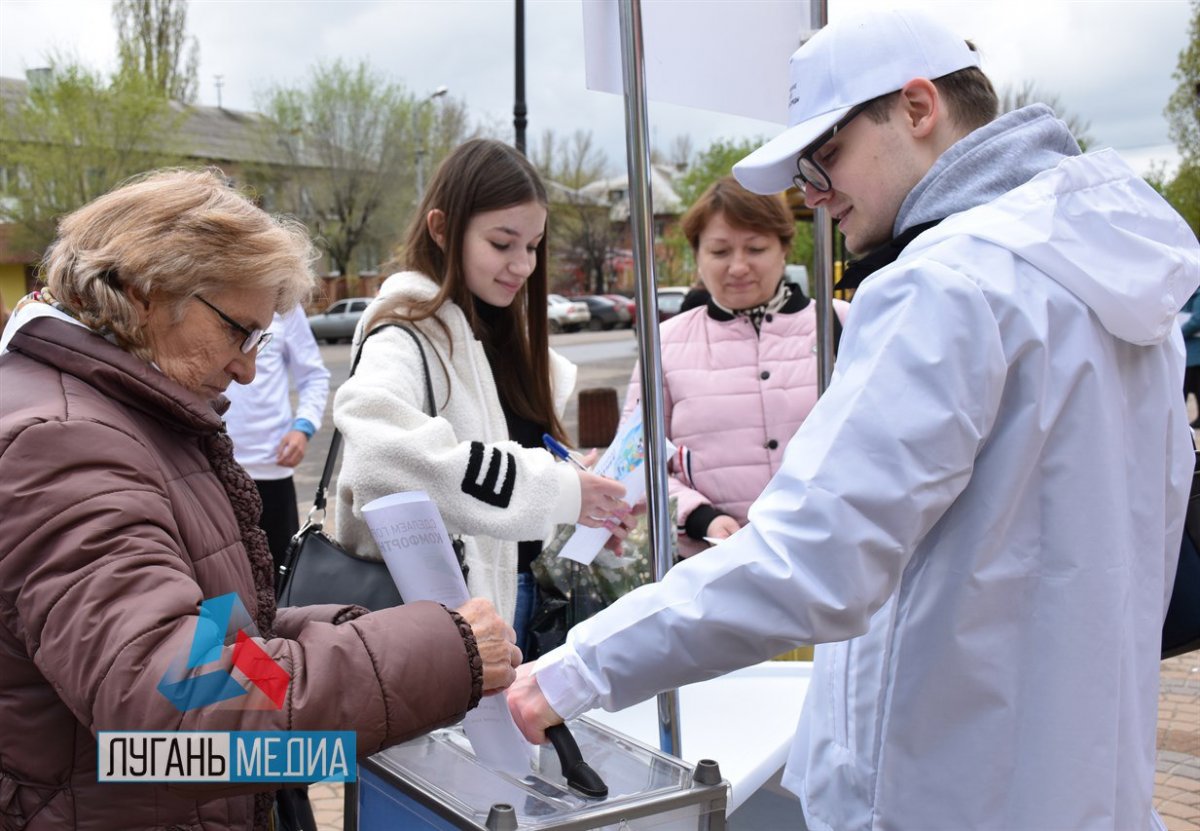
[(255, 339), (808, 172)]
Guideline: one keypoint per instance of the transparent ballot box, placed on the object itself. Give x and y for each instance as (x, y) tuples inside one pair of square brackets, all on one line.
[(436, 782)]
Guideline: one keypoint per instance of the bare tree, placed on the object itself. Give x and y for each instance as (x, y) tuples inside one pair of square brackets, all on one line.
[(681, 152), (584, 233), (1013, 98), (152, 42)]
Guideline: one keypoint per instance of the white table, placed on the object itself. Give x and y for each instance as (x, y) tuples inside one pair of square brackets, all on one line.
[(744, 720)]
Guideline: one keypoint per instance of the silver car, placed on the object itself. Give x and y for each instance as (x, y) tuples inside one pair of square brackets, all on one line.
[(566, 315), (338, 321)]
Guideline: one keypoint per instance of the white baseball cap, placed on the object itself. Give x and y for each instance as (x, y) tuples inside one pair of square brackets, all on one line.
[(851, 61)]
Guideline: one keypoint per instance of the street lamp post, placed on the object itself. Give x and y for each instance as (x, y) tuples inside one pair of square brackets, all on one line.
[(519, 109), (419, 153)]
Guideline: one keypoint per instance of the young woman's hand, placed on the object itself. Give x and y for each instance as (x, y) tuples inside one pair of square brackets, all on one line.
[(600, 500), (496, 641)]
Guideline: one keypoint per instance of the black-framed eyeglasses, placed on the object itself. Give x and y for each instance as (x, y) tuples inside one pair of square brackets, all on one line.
[(808, 172), (255, 339)]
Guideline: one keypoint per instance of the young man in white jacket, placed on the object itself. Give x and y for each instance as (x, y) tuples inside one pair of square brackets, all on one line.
[(979, 521), (270, 438)]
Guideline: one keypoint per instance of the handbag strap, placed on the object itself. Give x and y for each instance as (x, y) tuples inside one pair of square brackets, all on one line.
[(335, 443)]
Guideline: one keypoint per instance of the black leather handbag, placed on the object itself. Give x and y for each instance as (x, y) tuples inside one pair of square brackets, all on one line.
[(316, 569)]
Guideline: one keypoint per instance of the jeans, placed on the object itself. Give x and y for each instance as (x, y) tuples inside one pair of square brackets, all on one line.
[(526, 602)]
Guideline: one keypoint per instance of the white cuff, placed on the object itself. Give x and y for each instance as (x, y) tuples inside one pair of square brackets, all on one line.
[(563, 684), (565, 510)]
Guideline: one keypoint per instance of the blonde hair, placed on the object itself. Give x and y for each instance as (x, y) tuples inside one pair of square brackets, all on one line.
[(179, 233)]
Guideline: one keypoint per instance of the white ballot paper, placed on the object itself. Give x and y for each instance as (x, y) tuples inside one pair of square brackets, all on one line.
[(414, 543), (622, 461)]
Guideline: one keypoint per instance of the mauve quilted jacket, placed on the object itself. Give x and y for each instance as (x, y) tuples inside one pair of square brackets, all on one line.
[(114, 529), (734, 399)]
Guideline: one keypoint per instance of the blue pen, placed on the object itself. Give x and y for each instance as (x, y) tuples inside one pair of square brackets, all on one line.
[(561, 452)]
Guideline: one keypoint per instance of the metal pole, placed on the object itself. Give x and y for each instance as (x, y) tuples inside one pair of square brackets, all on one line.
[(823, 259), (420, 140), (641, 219), (519, 110), (419, 152)]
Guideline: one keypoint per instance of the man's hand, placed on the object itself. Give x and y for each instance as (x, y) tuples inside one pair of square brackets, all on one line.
[(496, 641), (291, 448), (529, 707)]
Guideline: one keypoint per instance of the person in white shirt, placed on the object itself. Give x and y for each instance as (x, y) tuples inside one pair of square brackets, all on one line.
[(269, 438), (979, 522)]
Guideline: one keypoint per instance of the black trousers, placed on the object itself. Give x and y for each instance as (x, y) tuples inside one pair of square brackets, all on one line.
[(279, 519)]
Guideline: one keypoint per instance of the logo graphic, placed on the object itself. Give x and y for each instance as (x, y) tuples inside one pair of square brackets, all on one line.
[(226, 756), (490, 490), (245, 675)]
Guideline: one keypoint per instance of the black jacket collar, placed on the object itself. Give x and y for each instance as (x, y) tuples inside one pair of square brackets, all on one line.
[(885, 254), (795, 303)]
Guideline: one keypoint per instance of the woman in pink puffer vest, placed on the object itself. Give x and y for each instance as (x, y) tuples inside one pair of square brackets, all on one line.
[(739, 373)]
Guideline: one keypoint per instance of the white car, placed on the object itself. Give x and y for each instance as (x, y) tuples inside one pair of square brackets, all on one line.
[(566, 315), (337, 323)]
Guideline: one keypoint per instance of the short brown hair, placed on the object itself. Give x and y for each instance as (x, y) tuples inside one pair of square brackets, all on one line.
[(742, 209), (970, 98), (178, 232)]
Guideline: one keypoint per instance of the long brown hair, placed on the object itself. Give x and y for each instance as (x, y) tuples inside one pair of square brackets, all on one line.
[(478, 176)]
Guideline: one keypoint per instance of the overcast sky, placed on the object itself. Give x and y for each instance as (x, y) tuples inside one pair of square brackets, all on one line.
[(1109, 61)]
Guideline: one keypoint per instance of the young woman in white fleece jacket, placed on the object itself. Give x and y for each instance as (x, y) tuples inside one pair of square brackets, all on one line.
[(475, 294)]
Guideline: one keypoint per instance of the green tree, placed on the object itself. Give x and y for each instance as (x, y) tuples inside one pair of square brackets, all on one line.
[(152, 42), (1182, 190), (1183, 108), (711, 164), (73, 137), (348, 141), (1183, 118)]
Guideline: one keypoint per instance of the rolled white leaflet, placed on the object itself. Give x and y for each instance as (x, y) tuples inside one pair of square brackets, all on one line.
[(416, 548)]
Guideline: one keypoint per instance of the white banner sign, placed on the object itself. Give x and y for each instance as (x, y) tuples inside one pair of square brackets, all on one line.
[(730, 57)]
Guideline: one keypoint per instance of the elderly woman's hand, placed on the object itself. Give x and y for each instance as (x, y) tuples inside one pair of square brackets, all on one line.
[(496, 641)]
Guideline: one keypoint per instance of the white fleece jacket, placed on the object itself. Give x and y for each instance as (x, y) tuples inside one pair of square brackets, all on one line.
[(488, 488)]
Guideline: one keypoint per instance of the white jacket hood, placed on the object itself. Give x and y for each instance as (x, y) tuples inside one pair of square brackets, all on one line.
[(1088, 221)]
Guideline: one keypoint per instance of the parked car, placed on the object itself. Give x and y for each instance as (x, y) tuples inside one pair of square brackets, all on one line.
[(626, 303), (605, 314), (670, 299), (566, 315), (338, 321)]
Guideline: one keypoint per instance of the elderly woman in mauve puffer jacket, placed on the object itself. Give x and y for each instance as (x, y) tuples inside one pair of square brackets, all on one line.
[(124, 511), (740, 372)]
